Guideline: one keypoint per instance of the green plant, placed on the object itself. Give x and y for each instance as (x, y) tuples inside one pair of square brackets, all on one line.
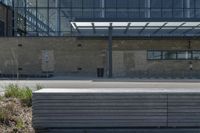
[(19, 123), (13, 91), (27, 96), (4, 116), (22, 93), (6, 113), (1, 97)]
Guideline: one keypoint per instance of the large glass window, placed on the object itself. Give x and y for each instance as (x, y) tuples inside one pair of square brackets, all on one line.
[(77, 4), (19, 3), (178, 4), (97, 4), (167, 4), (88, 4), (42, 3), (53, 15), (31, 19), (122, 4), (156, 3), (65, 3), (54, 20), (110, 3), (134, 4), (197, 3), (31, 3)]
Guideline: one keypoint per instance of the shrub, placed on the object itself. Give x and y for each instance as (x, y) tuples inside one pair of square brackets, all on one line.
[(22, 93), (27, 96), (19, 123), (12, 91), (6, 113)]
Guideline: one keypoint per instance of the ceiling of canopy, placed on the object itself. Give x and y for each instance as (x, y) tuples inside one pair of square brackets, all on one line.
[(138, 28)]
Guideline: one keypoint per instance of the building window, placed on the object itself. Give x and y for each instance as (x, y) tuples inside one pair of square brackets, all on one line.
[(184, 55), (169, 55), (196, 55), (154, 55), (173, 55), (53, 17)]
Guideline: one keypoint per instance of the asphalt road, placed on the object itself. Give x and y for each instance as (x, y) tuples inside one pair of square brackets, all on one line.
[(114, 83)]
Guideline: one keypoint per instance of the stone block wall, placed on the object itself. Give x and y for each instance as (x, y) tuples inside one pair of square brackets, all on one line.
[(70, 56)]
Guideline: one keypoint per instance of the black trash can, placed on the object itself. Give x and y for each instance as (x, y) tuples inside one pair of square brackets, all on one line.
[(100, 72)]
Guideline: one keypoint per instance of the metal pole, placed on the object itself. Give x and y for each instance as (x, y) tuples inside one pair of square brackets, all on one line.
[(147, 8), (188, 8), (57, 2), (103, 8), (110, 73)]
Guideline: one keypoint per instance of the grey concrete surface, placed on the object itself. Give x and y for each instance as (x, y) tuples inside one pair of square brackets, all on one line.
[(118, 90), (103, 83)]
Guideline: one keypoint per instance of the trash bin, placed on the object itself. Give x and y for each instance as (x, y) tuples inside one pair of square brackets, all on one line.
[(100, 72)]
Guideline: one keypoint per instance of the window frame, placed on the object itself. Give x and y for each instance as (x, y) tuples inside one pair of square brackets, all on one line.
[(189, 52)]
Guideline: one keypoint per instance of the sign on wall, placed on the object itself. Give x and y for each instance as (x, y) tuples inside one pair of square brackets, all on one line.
[(48, 61)]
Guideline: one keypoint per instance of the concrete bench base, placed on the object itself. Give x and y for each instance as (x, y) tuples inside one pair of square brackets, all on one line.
[(150, 130), (117, 109)]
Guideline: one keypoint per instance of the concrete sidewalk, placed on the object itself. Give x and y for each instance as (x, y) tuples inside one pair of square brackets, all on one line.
[(104, 83)]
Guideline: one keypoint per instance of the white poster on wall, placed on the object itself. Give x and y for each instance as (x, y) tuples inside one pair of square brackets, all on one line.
[(48, 60)]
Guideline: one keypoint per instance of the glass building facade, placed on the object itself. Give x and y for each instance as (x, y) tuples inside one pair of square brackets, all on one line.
[(53, 17), (7, 2)]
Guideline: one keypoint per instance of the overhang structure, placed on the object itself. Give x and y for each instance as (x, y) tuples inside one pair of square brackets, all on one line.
[(190, 28), (139, 29)]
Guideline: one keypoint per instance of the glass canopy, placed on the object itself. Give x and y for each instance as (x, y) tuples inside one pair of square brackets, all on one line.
[(137, 28)]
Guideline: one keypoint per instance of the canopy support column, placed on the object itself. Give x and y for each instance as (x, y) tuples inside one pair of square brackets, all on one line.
[(110, 67)]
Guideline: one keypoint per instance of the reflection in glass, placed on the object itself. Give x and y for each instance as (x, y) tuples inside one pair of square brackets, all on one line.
[(53, 16), (196, 55), (184, 55), (154, 55), (169, 55)]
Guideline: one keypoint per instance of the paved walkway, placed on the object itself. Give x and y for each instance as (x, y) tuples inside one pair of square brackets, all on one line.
[(103, 83)]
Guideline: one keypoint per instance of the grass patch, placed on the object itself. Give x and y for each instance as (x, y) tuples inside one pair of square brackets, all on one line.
[(22, 93), (1, 98), (8, 116), (4, 116), (6, 113)]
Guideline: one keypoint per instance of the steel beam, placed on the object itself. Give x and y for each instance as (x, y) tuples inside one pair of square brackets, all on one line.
[(193, 28), (76, 27), (93, 26), (160, 28), (143, 28), (127, 28), (176, 28)]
